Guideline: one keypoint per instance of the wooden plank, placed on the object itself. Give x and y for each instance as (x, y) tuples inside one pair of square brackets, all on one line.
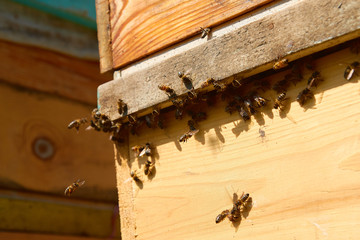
[(51, 72), (247, 50), (43, 214), (32, 236), (38, 119), (140, 28), (104, 34), (302, 175), (26, 25)]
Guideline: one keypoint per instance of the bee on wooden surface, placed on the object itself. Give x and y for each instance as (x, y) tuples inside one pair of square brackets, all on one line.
[(259, 101), (121, 107), (280, 101), (70, 189), (204, 32), (222, 216), (76, 123), (167, 89), (314, 80), (235, 214), (207, 82), (219, 87), (249, 106), (243, 113), (351, 70), (190, 133), (304, 96), (137, 149), (236, 83), (146, 150), (281, 64), (135, 177), (149, 166)]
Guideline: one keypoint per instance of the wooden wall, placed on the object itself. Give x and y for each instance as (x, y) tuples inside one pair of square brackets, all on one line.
[(302, 174)]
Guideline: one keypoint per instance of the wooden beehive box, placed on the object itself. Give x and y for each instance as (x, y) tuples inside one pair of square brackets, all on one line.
[(300, 165)]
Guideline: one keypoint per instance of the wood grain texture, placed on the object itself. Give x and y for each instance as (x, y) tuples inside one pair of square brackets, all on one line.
[(26, 25), (104, 34), (32, 116), (51, 72), (140, 28), (302, 175), (24, 212), (34, 236), (292, 32)]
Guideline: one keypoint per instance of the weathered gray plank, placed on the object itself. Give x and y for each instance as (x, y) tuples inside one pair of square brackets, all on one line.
[(300, 29)]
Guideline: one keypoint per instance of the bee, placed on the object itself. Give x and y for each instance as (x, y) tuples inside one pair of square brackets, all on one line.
[(190, 133), (304, 96), (76, 123), (250, 107), (234, 215), (280, 101), (121, 107), (146, 150), (135, 177), (149, 166), (243, 113), (167, 89), (70, 189), (207, 82), (222, 216), (281, 64), (351, 70), (137, 149), (236, 83), (259, 101), (220, 87), (314, 80), (204, 32)]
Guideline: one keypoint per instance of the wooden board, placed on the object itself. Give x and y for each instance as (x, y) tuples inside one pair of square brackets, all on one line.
[(51, 72), (35, 213), (302, 175), (32, 118), (243, 52), (32, 236), (140, 28)]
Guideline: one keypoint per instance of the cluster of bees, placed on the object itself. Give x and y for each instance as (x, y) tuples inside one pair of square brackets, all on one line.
[(234, 214)]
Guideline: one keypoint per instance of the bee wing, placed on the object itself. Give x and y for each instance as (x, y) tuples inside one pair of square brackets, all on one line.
[(193, 132), (80, 182), (143, 152)]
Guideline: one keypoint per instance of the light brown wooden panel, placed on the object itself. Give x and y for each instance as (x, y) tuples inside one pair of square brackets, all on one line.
[(292, 32), (36, 213), (30, 117), (32, 236), (302, 176), (139, 28), (51, 72)]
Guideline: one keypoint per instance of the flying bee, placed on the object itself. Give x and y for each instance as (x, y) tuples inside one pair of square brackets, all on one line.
[(135, 177), (145, 150), (314, 80), (280, 101), (204, 32), (304, 96), (137, 149), (76, 123), (351, 70), (167, 89), (121, 107), (222, 216), (70, 189), (207, 82), (149, 166), (281, 64)]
